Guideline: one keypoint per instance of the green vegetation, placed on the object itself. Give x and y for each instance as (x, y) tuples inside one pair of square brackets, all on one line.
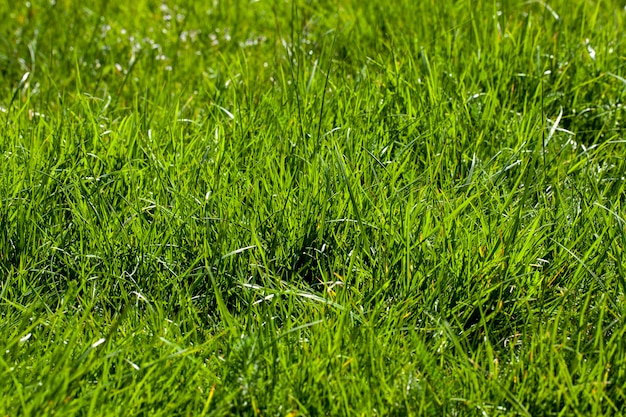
[(312, 208)]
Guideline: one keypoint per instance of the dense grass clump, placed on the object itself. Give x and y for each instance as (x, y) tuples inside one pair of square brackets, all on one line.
[(312, 208)]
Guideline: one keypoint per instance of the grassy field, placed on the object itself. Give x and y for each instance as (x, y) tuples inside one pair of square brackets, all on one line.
[(312, 208)]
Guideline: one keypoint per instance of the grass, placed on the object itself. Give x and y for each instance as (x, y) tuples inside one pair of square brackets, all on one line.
[(312, 208)]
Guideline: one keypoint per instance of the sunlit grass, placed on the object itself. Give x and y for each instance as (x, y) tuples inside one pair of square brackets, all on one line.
[(296, 208)]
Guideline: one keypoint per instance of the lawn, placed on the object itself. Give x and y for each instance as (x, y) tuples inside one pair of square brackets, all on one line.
[(288, 208)]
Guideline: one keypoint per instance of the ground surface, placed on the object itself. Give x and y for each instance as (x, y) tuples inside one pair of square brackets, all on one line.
[(312, 208)]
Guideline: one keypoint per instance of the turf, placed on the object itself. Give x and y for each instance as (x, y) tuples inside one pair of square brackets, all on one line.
[(312, 208)]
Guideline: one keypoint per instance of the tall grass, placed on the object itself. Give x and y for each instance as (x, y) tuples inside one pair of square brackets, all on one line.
[(305, 208)]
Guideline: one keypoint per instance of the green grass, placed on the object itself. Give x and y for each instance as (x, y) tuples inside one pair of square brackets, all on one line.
[(312, 208)]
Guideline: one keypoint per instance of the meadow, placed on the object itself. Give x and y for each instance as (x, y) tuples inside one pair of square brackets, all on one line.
[(308, 207)]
